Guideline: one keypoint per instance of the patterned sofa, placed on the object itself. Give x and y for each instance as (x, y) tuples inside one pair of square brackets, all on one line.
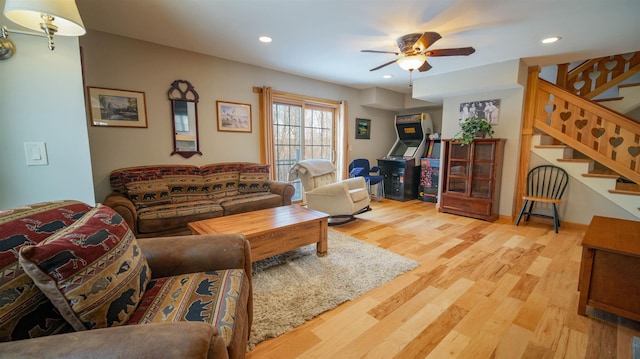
[(161, 200), (76, 282)]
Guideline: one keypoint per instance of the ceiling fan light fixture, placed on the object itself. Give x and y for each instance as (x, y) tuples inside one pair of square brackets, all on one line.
[(411, 62)]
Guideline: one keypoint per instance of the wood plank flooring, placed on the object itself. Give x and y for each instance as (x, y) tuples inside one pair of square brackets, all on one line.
[(483, 290)]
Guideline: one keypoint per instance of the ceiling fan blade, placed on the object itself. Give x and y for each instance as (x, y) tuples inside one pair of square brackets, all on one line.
[(424, 67), (381, 66), (381, 52), (427, 39), (460, 51)]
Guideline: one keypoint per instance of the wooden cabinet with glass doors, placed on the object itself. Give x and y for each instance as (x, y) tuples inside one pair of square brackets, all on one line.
[(471, 178)]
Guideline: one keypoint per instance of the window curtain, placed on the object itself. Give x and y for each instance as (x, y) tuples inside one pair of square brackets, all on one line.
[(343, 140), (267, 155)]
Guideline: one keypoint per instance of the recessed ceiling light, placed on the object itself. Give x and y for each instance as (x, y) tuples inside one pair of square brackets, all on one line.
[(265, 39), (387, 76), (550, 40)]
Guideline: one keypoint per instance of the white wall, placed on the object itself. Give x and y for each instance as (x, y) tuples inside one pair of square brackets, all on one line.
[(41, 99), (123, 63)]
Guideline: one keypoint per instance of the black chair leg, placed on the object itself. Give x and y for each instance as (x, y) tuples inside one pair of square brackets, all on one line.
[(524, 205), (530, 209), (556, 223)]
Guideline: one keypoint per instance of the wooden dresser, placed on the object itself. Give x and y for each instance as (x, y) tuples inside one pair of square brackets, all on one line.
[(610, 267)]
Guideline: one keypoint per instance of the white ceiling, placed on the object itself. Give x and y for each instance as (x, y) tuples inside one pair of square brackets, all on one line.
[(322, 39)]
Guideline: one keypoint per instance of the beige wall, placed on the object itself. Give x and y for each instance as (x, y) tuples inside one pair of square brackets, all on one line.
[(123, 63), (510, 122)]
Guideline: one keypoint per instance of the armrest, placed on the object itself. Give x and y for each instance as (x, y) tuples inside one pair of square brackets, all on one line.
[(163, 340), (356, 182), (284, 189), (375, 169), (123, 205), (332, 189), (169, 256)]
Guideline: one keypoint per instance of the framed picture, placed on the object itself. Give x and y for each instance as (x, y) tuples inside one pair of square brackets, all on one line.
[(487, 109), (363, 129), (117, 108), (234, 117)]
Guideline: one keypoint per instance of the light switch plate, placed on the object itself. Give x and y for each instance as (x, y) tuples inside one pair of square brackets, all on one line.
[(36, 153)]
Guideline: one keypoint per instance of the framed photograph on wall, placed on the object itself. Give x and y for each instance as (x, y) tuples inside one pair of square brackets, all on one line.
[(117, 108), (487, 109), (363, 129), (234, 117)]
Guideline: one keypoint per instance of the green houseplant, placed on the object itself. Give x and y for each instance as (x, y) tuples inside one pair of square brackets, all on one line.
[(473, 127)]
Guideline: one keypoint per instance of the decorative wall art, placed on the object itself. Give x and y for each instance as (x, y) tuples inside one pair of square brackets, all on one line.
[(363, 129), (234, 117), (487, 109), (117, 108)]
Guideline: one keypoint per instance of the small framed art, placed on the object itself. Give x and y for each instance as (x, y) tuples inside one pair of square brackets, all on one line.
[(234, 117), (117, 108), (363, 129)]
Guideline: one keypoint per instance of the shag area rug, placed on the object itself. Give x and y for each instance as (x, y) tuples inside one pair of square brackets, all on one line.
[(292, 288)]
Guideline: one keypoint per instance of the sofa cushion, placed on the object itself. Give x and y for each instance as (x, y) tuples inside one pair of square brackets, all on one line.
[(184, 188), (170, 216), (249, 202), (118, 178), (210, 297), (254, 178), (223, 184), (25, 312), (93, 271), (148, 193)]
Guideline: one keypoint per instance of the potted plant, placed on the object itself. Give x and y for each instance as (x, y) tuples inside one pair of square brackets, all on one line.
[(473, 127)]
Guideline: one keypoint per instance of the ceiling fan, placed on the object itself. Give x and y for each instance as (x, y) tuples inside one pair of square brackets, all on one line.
[(413, 51)]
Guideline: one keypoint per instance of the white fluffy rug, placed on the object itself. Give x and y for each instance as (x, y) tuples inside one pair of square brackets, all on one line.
[(294, 287)]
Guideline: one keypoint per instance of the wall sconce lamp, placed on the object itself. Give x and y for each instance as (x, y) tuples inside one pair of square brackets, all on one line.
[(51, 16)]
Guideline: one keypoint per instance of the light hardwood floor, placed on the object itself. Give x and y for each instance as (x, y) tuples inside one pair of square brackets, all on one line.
[(483, 290)]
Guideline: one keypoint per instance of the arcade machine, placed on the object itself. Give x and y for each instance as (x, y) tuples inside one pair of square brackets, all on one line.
[(401, 167)]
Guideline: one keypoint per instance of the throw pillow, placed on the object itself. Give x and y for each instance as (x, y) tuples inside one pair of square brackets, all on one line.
[(92, 271), (25, 312)]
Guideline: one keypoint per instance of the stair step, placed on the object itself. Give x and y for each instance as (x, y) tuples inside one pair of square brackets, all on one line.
[(577, 160), (617, 191), (552, 146), (600, 175)]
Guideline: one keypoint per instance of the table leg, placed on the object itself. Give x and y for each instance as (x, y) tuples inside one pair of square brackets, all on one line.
[(585, 279), (321, 247)]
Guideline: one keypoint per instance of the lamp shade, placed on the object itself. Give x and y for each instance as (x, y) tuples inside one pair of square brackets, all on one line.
[(27, 13), (411, 62)]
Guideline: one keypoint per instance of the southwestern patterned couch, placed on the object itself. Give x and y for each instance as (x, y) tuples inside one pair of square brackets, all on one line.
[(161, 200), (76, 282)]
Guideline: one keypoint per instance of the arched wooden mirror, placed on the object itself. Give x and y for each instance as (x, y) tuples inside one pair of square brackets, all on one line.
[(184, 106)]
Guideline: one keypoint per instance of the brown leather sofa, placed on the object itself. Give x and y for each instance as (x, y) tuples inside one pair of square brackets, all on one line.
[(160, 200), (166, 257)]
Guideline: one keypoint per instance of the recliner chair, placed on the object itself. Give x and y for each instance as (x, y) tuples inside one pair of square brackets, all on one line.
[(342, 200)]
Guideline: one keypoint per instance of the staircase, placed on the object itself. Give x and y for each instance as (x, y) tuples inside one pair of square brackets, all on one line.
[(588, 172), (595, 145)]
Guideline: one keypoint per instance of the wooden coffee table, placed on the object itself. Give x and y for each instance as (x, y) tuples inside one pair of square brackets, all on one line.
[(272, 231)]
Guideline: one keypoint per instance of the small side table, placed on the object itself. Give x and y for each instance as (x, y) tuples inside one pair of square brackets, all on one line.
[(610, 267)]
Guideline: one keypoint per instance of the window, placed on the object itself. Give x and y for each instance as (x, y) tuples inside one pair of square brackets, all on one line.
[(301, 131)]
